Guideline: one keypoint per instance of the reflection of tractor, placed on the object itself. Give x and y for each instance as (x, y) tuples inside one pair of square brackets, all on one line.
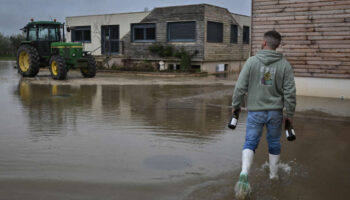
[(46, 46)]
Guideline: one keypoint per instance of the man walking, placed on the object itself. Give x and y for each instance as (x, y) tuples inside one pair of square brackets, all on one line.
[(268, 79)]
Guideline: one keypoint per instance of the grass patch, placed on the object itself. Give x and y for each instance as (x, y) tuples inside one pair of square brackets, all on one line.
[(7, 58)]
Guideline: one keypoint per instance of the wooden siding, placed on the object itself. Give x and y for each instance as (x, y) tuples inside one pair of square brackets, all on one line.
[(315, 34)]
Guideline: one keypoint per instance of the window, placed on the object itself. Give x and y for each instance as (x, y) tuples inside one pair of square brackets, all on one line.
[(110, 39), (234, 34), (181, 31), (81, 34), (32, 34), (43, 34), (143, 32), (215, 32), (246, 34)]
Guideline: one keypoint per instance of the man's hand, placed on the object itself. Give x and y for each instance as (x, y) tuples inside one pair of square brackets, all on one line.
[(236, 110), (289, 119)]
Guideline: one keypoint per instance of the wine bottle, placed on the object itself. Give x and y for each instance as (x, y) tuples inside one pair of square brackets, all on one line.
[(233, 120), (290, 134)]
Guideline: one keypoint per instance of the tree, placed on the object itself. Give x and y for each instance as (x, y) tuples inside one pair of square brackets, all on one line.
[(10, 44)]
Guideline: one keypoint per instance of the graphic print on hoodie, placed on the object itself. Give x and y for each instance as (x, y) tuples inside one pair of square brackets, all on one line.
[(267, 75)]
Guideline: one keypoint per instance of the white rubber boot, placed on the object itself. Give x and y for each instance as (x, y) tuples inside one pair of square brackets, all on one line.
[(247, 160), (242, 188), (273, 161)]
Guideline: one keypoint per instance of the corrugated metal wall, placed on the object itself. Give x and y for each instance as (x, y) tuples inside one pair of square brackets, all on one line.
[(316, 34)]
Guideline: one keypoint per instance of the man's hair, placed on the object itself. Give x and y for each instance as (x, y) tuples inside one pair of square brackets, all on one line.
[(273, 39)]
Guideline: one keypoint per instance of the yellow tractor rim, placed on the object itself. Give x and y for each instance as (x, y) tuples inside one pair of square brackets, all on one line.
[(24, 91), (54, 68), (54, 90), (23, 61)]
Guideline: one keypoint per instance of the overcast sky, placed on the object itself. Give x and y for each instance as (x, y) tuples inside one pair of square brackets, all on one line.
[(14, 14)]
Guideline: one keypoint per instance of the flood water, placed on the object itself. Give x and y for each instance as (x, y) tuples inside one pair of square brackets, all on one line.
[(157, 141)]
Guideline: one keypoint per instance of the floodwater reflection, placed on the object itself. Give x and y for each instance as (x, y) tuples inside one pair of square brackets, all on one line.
[(53, 109)]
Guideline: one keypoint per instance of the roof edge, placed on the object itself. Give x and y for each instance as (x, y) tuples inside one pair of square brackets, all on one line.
[(146, 12)]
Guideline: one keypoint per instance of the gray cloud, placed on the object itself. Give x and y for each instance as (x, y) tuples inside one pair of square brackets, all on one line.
[(14, 14)]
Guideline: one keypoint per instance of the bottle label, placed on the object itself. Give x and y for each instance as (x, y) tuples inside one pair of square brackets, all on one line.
[(233, 121), (291, 132)]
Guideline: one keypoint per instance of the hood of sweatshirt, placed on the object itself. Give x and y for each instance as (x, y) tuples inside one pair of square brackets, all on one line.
[(268, 56)]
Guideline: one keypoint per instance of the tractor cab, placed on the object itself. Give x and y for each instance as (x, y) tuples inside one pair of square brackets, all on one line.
[(42, 33)]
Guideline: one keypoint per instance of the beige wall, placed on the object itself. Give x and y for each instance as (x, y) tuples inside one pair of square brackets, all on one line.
[(232, 66), (95, 21), (323, 87)]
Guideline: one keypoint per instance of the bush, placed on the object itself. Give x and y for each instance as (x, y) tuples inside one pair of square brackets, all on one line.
[(162, 50), (167, 51), (145, 66)]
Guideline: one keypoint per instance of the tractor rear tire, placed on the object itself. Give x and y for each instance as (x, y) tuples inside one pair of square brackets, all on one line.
[(90, 70), (28, 61), (58, 68)]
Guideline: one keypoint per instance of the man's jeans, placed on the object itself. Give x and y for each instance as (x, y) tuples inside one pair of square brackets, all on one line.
[(255, 123)]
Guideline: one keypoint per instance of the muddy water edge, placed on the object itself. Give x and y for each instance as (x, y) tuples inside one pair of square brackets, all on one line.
[(156, 138)]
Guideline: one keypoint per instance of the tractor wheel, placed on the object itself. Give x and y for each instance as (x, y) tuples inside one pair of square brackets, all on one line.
[(90, 70), (28, 61), (58, 68)]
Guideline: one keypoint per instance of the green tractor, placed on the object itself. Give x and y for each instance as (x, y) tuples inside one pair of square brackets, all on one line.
[(45, 46)]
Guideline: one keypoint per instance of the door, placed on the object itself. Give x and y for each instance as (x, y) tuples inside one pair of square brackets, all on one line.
[(110, 39)]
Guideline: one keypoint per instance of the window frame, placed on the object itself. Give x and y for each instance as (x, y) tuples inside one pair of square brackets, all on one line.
[(82, 29), (244, 35), (109, 40), (222, 32), (181, 40), (143, 26)]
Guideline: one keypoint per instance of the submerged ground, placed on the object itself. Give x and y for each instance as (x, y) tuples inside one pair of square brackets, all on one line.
[(121, 136)]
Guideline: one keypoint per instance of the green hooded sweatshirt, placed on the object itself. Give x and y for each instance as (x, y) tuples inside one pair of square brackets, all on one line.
[(268, 79)]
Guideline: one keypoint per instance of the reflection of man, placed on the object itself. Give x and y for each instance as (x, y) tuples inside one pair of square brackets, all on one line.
[(268, 79)]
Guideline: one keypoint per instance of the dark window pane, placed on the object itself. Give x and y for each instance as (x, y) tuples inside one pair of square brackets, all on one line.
[(110, 39), (107, 47), (214, 32), (81, 34), (182, 31), (246, 34), (139, 34), (78, 36), (106, 32), (143, 32), (150, 33), (114, 46), (234, 34), (114, 32), (87, 36)]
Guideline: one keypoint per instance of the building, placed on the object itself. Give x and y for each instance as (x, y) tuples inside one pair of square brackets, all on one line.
[(219, 40), (100, 34), (220, 37), (316, 41)]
